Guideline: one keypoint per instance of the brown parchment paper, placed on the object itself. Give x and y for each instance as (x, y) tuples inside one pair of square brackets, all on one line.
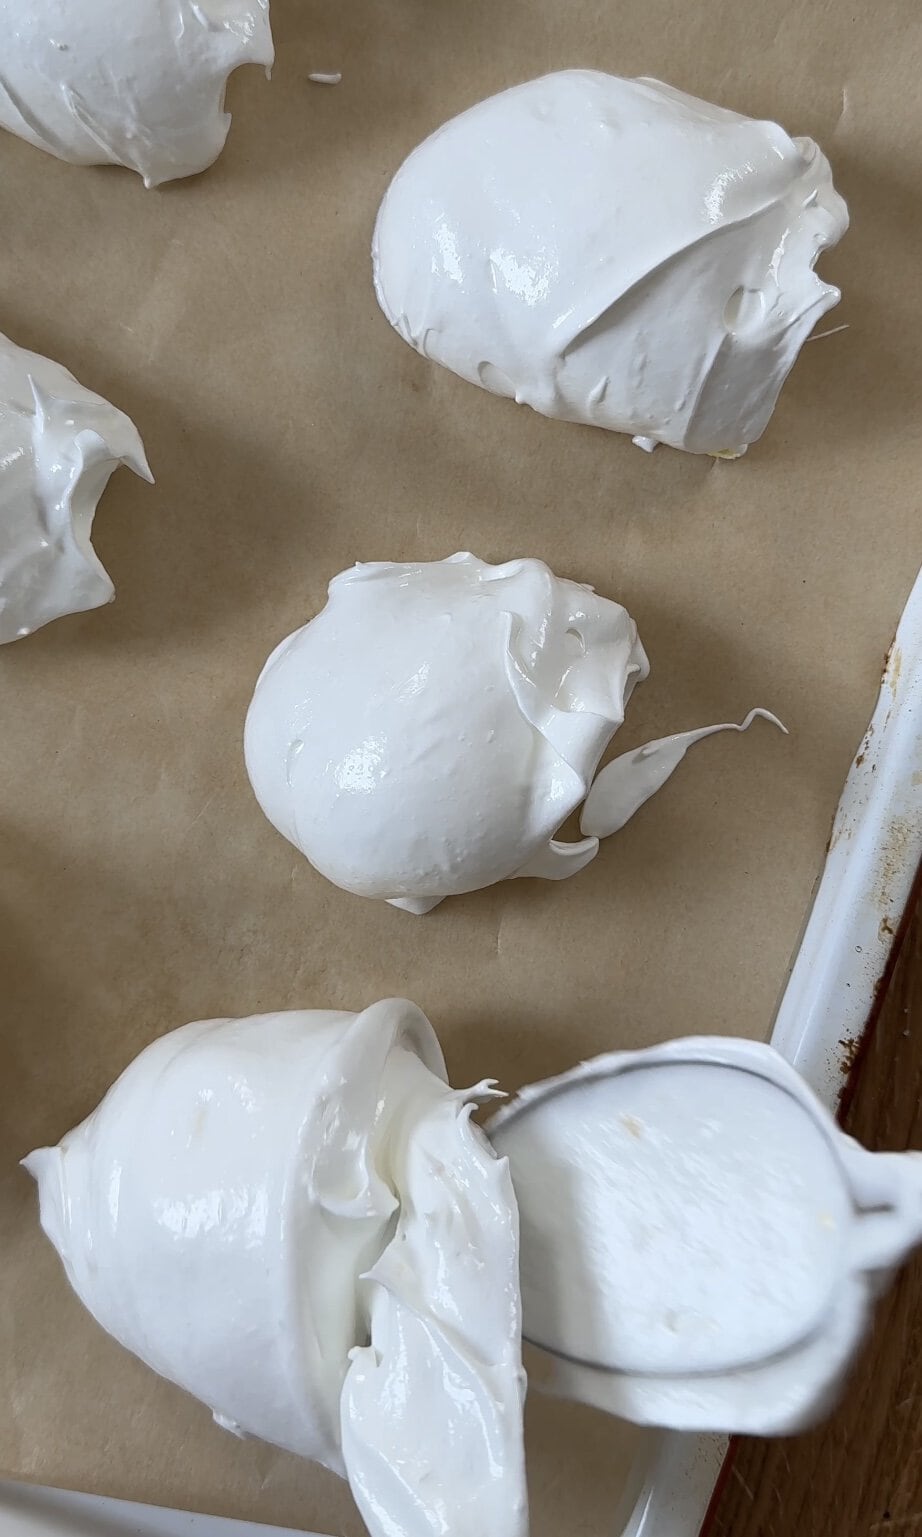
[(292, 432)]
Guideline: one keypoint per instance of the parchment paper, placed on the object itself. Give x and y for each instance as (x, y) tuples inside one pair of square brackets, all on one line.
[(292, 432)]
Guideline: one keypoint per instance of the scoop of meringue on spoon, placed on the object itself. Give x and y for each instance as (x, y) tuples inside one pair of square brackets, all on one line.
[(613, 252), (59, 444), (294, 1218), (432, 729)]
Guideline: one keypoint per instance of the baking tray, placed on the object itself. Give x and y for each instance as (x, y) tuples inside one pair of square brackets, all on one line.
[(292, 432), (827, 1008)]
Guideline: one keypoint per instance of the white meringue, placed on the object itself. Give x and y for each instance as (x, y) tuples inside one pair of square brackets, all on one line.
[(613, 252), (625, 784), (59, 443), (503, 684), (431, 730), (142, 87), (293, 1217)]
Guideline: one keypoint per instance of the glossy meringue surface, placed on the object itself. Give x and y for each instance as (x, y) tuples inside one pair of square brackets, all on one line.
[(613, 252), (293, 1217), (141, 87), (59, 444), (433, 727)]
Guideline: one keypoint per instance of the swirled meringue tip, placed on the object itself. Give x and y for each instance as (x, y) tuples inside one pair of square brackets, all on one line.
[(59, 444), (613, 252), (505, 683), (144, 90)]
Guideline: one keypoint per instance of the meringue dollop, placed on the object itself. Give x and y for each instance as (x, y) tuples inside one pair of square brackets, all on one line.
[(59, 443), (613, 252), (141, 87), (431, 730), (293, 1217)]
